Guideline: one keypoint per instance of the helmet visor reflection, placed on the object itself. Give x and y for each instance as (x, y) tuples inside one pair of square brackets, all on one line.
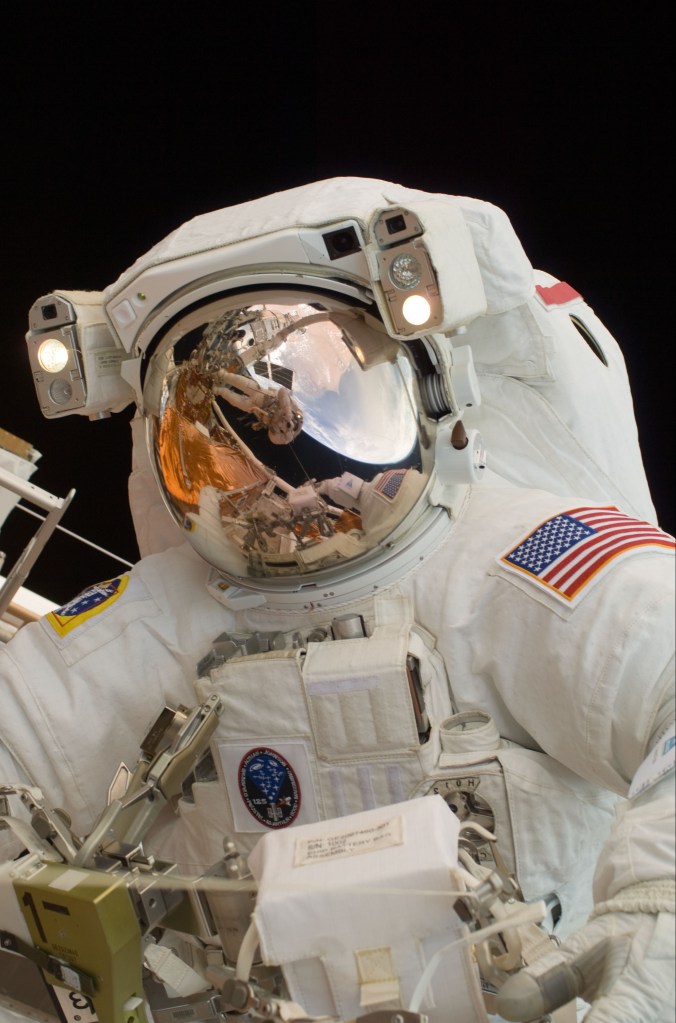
[(279, 426)]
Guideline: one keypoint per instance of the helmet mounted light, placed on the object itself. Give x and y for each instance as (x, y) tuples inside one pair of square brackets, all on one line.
[(293, 425)]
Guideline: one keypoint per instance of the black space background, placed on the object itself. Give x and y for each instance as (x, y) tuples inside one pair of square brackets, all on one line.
[(119, 122)]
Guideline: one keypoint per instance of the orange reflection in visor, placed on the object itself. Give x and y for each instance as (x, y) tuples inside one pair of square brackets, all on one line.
[(191, 459)]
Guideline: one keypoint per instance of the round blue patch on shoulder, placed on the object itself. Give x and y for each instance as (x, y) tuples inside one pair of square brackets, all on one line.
[(269, 787)]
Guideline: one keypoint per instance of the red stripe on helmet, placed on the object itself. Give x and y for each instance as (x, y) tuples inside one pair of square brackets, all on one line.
[(557, 294)]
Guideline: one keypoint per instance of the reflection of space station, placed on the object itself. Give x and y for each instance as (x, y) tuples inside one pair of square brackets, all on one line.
[(231, 415), (248, 334), (195, 450)]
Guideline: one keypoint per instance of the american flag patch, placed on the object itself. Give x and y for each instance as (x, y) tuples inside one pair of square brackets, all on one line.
[(565, 553), (389, 483)]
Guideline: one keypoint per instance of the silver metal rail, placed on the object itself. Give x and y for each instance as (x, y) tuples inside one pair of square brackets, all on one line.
[(55, 508)]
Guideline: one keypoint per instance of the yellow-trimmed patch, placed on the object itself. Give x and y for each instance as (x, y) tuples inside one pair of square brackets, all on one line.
[(87, 605)]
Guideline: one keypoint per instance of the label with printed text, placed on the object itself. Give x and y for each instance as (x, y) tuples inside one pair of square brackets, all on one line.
[(349, 843)]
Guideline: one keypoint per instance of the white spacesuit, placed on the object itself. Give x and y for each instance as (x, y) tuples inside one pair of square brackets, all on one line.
[(376, 616)]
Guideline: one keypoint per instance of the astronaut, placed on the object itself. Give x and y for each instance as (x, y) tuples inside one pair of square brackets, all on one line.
[(275, 411), (445, 581)]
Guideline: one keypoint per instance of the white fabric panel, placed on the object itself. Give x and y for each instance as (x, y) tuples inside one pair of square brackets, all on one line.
[(583, 684), (573, 704), (552, 415), (641, 845), (505, 270), (383, 891), (154, 525)]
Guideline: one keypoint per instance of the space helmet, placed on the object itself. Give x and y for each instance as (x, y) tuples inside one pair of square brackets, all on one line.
[(299, 365)]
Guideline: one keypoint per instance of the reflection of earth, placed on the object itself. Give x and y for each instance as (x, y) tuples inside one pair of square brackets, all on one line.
[(364, 415), (367, 419)]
